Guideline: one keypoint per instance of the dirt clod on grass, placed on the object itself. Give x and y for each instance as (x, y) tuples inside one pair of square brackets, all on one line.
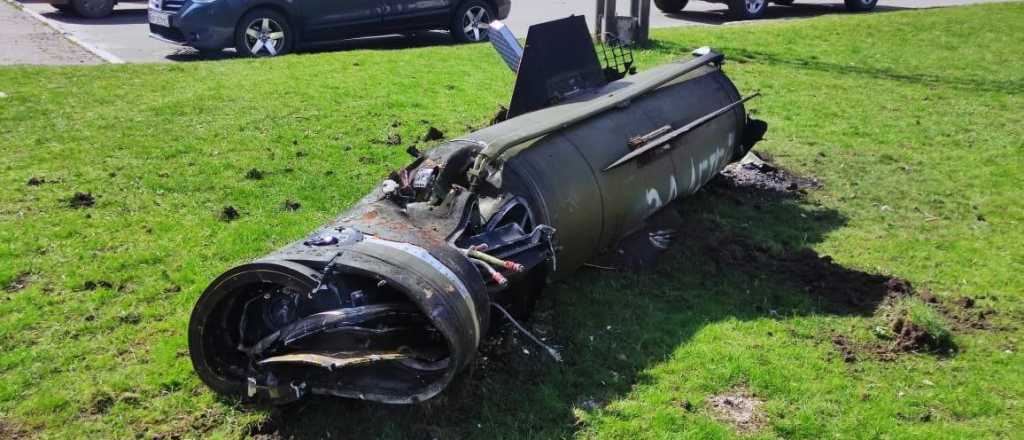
[(393, 139), (965, 302), (229, 213), (18, 283), (845, 348), (254, 174), (290, 205), (12, 431), (913, 338), (927, 296), (433, 134), (97, 284), (739, 409), (81, 200), (753, 172), (35, 181), (500, 115)]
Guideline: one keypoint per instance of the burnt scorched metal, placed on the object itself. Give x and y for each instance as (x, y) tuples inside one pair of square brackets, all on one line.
[(392, 299)]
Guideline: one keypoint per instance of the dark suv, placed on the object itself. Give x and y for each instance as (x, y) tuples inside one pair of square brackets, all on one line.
[(274, 27)]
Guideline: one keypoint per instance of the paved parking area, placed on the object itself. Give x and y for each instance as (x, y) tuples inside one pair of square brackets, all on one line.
[(27, 41), (124, 35)]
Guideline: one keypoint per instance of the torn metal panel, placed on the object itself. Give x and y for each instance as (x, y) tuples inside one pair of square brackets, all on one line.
[(390, 301)]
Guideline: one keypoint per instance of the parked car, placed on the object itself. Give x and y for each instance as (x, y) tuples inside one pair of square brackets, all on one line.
[(275, 27), (754, 9), (86, 8)]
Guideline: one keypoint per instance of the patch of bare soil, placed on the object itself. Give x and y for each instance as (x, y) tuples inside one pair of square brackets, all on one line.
[(739, 409), (18, 283), (12, 431), (753, 172), (81, 200), (965, 315)]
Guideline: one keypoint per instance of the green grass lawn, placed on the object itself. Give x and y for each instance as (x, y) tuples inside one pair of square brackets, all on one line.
[(913, 121)]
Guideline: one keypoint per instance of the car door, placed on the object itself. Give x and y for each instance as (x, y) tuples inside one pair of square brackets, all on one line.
[(417, 14), (333, 19)]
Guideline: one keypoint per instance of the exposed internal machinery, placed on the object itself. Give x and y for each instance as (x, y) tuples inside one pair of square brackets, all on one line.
[(392, 299)]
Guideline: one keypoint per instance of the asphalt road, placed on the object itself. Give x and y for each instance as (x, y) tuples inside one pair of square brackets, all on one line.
[(124, 35)]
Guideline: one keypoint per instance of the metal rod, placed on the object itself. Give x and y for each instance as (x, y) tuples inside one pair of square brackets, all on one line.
[(610, 12), (645, 22), (679, 132)]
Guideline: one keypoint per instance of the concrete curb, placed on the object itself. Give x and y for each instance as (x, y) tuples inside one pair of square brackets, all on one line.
[(102, 54)]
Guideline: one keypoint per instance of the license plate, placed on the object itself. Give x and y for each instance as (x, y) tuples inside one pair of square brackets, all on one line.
[(160, 18)]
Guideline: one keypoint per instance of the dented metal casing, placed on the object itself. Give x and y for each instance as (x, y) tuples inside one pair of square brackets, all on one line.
[(390, 301)]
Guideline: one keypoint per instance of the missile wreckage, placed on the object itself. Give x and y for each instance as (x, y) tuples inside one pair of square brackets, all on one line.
[(390, 301)]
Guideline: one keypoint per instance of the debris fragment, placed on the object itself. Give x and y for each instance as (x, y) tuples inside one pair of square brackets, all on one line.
[(36, 181), (290, 205), (229, 213), (81, 200), (500, 115)]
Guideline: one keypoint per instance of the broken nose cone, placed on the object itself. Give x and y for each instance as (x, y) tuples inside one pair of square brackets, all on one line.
[(360, 317)]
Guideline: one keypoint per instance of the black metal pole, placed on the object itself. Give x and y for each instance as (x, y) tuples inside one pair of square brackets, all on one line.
[(645, 22)]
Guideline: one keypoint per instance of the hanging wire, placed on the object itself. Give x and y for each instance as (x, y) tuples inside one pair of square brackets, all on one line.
[(551, 351)]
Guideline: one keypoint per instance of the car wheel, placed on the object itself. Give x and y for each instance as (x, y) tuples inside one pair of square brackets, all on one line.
[(263, 33), (747, 9), (465, 27), (860, 5), (93, 8), (783, 2), (670, 6)]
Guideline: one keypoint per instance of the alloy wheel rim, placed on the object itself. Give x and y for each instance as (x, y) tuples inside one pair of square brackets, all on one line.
[(264, 35), (754, 6), (471, 21)]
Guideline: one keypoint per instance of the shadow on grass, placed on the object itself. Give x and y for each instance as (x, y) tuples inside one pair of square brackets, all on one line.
[(743, 55), (380, 42), (743, 254)]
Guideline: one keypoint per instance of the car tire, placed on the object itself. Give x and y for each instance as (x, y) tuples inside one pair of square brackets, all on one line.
[(467, 18), (263, 33), (93, 8), (783, 2), (210, 53), (670, 6), (860, 5), (65, 8), (747, 9)]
